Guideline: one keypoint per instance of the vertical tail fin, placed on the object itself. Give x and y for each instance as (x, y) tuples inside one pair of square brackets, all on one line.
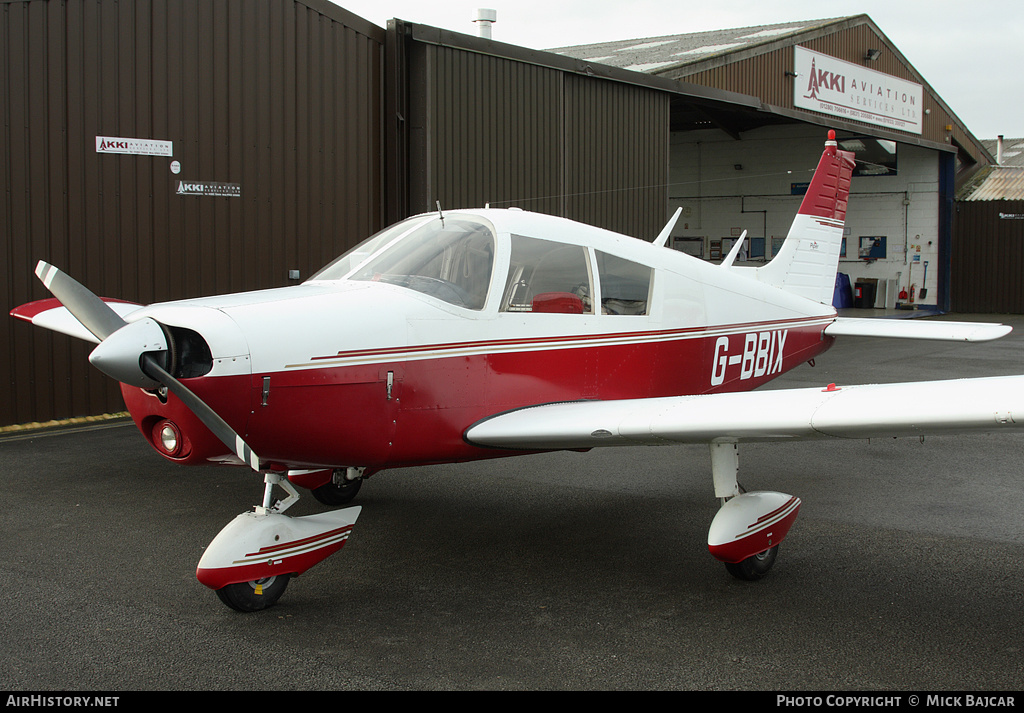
[(807, 263)]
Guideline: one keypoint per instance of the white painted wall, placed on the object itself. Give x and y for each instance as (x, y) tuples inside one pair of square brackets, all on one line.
[(719, 200)]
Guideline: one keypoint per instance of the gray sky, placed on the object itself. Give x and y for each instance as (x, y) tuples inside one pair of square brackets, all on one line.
[(970, 52)]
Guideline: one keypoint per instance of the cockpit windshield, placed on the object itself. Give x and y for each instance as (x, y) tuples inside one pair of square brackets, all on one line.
[(342, 266), (448, 258)]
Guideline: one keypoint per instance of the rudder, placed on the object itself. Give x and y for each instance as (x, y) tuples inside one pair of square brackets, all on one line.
[(807, 263)]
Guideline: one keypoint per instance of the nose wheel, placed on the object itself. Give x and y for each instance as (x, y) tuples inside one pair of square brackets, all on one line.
[(255, 595)]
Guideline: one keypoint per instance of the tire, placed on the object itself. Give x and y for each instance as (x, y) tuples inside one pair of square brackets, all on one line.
[(254, 596), (334, 494), (753, 568)]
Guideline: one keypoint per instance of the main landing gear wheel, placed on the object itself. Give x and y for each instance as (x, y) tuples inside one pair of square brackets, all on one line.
[(254, 596), (333, 494), (753, 568)]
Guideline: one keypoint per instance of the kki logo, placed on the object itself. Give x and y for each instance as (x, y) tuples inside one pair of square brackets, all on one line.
[(117, 145), (761, 356), (829, 81)]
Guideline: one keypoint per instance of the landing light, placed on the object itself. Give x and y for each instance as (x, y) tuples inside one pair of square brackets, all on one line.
[(168, 437)]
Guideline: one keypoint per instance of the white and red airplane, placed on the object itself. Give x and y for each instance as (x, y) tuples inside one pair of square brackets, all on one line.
[(488, 333)]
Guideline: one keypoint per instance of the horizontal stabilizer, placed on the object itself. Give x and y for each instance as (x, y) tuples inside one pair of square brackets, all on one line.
[(917, 329), (873, 411)]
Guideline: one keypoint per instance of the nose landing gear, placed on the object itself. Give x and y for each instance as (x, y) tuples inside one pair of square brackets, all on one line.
[(251, 561)]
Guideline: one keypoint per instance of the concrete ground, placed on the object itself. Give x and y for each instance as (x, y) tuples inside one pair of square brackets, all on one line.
[(904, 571)]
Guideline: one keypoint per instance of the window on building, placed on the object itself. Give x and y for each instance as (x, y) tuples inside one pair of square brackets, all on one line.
[(875, 157)]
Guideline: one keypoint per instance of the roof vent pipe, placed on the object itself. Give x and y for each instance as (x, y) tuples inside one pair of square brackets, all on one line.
[(484, 19), (999, 150)]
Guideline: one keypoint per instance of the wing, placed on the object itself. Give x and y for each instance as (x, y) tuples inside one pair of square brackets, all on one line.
[(904, 409), (51, 314)]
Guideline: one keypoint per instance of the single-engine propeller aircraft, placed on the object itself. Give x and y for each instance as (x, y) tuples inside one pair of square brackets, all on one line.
[(456, 336)]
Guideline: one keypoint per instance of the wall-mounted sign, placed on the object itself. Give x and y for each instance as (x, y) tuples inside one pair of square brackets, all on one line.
[(209, 188), (850, 91), (138, 147), (872, 247)]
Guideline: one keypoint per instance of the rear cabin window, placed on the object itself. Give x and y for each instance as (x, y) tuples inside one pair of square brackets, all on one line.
[(625, 285), (549, 277)]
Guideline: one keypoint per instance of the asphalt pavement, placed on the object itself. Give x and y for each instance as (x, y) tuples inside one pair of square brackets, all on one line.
[(564, 571)]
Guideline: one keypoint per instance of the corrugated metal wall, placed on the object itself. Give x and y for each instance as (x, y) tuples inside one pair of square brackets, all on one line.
[(988, 257), (491, 132), (501, 130), (280, 98), (616, 155)]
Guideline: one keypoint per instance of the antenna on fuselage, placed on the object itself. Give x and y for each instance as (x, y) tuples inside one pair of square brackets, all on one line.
[(439, 213), (731, 257), (662, 238)]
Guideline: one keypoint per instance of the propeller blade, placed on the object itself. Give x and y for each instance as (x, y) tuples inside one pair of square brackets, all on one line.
[(94, 314), (217, 425)]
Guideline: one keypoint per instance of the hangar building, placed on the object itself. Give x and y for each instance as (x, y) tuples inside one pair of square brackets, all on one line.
[(745, 171), (160, 150)]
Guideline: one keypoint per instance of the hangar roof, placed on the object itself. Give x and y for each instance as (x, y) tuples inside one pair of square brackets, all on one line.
[(658, 54), (1004, 181), (995, 183), (1012, 153)]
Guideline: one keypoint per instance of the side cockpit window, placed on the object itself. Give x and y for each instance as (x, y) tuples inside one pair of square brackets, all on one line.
[(550, 277), (625, 285), (450, 259)]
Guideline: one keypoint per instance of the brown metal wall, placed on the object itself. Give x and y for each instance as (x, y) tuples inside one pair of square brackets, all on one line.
[(988, 257), (499, 130), (491, 132), (280, 97), (616, 155)]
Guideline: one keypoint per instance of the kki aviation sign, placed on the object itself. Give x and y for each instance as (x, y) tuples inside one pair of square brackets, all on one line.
[(832, 86), (137, 147)]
